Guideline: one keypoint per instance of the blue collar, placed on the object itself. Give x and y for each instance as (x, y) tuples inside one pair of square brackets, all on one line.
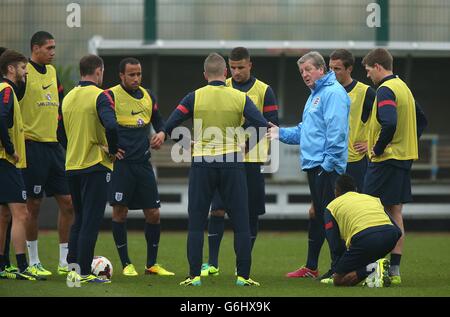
[(246, 86), (40, 68), (84, 83), (137, 94), (326, 80), (6, 80), (216, 83), (385, 79), (350, 86)]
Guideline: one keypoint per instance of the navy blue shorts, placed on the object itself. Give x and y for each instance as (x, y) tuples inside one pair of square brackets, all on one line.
[(12, 188), (389, 183), (45, 171), (368, 246), (358, 171), (256, 191), (134, 185)]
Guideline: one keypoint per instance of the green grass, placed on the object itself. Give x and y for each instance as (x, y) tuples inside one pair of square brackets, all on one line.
[(424, 269)]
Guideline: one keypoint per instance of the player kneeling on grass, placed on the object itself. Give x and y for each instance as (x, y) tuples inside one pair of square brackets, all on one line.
[(133, 183), (361, 234)]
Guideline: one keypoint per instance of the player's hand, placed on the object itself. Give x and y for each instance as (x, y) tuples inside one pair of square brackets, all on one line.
[(120, 154), (273, 133), (312, 212), (105, 149), (360, 147), (15, 157), (157, 140)]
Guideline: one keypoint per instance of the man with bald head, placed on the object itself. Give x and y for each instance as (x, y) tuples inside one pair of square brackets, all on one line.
[(217, 163)]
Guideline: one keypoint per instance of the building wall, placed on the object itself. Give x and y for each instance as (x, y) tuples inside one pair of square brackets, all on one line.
[(178, 75)]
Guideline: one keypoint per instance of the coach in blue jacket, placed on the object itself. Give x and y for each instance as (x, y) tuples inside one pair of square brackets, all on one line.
[(323, 138)]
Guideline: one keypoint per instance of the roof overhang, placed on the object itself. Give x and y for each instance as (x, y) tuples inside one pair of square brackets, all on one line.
[(100, 46)]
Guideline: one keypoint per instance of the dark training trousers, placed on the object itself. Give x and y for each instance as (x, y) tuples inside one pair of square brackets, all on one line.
[(358, 171), (256, 207), (89, 195), (321, 185), (230, 180), (366, 247)]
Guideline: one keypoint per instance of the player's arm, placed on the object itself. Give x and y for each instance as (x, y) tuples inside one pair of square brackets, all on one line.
[(61, 131), (337, 245), (158, 124), (290, 135), (270, 108), (254, 119), (182, 112), (157, 119), (60, 91), (387, 117), (107, 115), (421, 120), (6, 119), (336, 110), (369, 99), (253, 115)]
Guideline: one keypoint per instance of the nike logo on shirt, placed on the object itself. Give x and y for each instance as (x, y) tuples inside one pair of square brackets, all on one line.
[(45, 87), (135, 113)]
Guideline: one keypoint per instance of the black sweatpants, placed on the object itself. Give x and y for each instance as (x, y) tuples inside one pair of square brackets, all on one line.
[(89, 196), (321, 185), (230, 181)]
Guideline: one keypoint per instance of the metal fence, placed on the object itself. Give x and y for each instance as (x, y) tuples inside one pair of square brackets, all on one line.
[(290, 20), (295, 20), (20, 19)]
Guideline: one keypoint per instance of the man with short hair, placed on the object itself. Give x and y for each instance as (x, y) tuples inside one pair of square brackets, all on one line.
[(360, 233), (39, 102), (362, 97), (6, 224), (133, 182), (323, 139), (217, 164), (12, 158), (264, 98), (395, 126), (88, 130)]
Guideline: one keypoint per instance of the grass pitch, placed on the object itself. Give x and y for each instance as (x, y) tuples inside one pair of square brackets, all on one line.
[(425, 269)]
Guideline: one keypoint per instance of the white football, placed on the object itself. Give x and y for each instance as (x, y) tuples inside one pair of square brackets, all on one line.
[(102, 267)]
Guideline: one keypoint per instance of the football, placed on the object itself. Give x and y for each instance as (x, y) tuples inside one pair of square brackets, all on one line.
[(102, 267)]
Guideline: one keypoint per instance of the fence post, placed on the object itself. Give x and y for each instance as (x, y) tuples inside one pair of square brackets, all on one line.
[(382, 32), (150, 21), (434, 161)]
